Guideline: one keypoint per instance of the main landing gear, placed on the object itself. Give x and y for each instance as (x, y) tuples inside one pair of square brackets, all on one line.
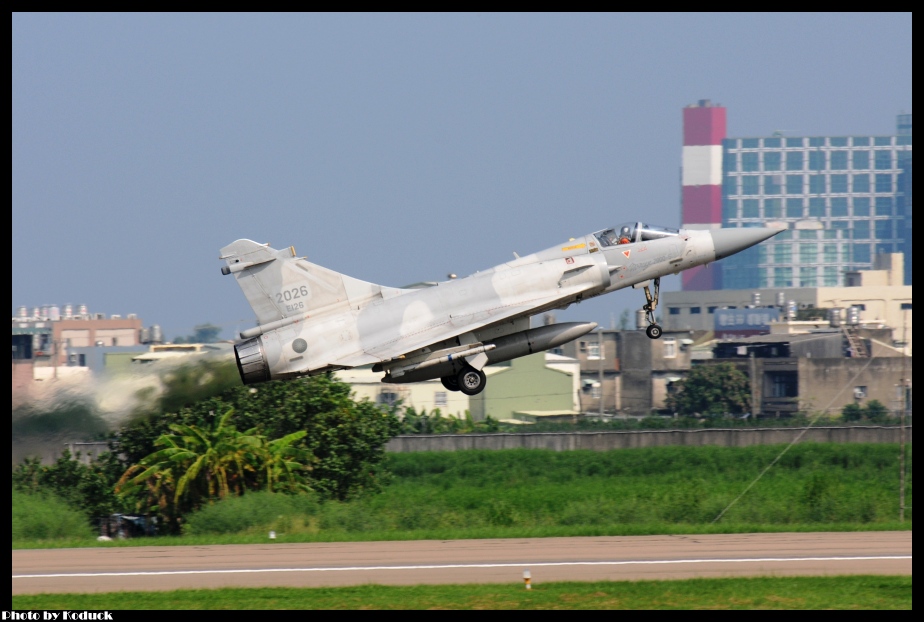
[(653, 331), (469, 381)]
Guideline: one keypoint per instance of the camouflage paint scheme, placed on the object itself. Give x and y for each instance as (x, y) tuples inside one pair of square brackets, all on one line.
[(311, 319)]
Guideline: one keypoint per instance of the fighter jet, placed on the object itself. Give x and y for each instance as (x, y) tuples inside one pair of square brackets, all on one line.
[(312, 320)]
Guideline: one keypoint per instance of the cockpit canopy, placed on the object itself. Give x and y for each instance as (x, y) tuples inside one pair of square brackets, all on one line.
[(630, 232)]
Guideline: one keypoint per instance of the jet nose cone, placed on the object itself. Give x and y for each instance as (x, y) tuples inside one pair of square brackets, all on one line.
[(730, 241)]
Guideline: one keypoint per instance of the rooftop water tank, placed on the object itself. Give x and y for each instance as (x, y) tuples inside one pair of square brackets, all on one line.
[(853, 316)]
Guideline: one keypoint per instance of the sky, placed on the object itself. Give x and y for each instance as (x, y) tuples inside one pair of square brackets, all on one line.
[(395, 148)]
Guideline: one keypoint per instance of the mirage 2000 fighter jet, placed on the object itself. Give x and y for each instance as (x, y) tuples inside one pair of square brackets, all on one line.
[(312, 320)]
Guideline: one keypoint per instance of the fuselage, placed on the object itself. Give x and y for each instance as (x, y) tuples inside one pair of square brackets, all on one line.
[(394, 328)]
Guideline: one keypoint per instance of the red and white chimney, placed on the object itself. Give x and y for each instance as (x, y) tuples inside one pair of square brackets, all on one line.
[(704, 129)]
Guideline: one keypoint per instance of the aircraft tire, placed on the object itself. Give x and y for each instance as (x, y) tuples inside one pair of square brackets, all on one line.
[(471, 381), (450, 382), (653, 331)]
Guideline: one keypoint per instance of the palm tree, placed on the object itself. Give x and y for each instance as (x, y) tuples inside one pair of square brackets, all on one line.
[(284, 463), (197, 464)]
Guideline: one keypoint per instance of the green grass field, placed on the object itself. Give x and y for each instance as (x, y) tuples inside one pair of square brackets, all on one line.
[(848, 592), (45, 518), (538, 493), (534, 493)]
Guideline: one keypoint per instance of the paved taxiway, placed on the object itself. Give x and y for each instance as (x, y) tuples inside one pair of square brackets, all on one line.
[(460, 561)]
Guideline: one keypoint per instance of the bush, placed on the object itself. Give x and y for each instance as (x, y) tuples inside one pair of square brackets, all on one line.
[(263, 510), (45, 517), (80, 486), (852, 412), (712, 390), (874, 412), (877, 412), (346, 438), (435, 422)]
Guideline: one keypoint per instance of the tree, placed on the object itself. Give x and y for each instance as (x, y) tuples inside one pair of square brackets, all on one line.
[(300, 435), (196, 465), (346, 439), (206, 333), (876, 411), (413, 422), (712, 390), (284, 463), (624, 320), (216, 461), (87, 487), (852, 412), (202, 333), (810, 314)]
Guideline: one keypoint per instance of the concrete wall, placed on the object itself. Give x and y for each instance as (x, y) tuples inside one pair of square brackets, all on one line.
[(562, 441), (605, 441), (828, 384)]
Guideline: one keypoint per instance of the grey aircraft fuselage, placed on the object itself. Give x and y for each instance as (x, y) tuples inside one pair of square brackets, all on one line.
[(312, 320)]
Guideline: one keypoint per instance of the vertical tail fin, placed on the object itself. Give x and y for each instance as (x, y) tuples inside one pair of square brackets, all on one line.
[(278, 285), (253, 269)]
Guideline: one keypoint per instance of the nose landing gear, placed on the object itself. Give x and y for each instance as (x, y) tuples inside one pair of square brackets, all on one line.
[(653, 331)]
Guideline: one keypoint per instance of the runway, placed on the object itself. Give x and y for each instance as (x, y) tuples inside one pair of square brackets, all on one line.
[(459, 561)]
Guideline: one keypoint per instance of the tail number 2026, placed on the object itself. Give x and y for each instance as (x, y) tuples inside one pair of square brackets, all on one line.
[(292, 294)]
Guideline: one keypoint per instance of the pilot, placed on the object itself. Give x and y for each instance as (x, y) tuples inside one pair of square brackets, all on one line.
[(624, 236)]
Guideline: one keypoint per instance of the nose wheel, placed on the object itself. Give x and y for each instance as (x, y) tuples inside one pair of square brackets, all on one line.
[(653, 331)]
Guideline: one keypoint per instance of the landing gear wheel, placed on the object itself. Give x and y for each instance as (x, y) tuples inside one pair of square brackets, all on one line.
[(651, 303), (450, 382), (471, 381)]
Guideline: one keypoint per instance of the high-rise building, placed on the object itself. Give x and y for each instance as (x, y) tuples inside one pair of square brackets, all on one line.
[(842, 199)]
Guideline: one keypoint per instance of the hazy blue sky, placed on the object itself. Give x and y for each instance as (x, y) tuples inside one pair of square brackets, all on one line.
[(393, 148)]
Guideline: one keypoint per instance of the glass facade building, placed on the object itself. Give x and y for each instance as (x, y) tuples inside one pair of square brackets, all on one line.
[(842, 199)]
